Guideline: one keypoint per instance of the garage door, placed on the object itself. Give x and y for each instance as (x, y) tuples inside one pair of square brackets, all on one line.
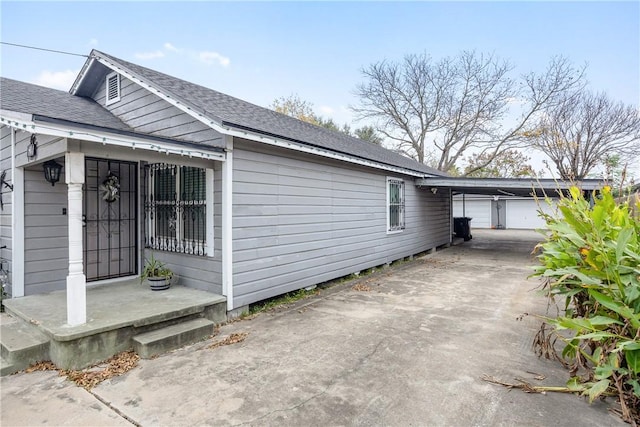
[(524, 214), (478, 210)]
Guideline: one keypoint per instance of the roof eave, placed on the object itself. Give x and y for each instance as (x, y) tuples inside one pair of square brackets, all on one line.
[(227, 128), (232, 129), (81, 75), (290, 143), (64, 128), (508, 186), (131, 134), (586, 184)]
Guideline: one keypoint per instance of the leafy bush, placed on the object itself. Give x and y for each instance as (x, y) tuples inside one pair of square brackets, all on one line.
[(591, 262)]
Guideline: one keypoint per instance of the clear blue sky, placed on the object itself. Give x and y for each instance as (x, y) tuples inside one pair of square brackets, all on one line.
[(264, 50)]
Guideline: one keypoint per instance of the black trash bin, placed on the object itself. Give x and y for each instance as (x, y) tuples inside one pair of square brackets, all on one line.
[(462, 227)]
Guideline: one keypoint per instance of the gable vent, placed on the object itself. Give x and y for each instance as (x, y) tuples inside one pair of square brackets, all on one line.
[(113, 88)]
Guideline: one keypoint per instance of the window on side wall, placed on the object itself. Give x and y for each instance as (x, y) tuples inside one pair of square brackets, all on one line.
[(176, 208), (395, 205)]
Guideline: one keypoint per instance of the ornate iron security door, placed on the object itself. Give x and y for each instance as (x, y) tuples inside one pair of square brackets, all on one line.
[(110, 214)]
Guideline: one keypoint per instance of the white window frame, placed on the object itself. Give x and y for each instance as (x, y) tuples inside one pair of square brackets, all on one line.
[(109, 101), (396, 228), (207, 202)]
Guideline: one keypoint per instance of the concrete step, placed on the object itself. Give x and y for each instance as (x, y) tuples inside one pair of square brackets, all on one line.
[(169, 338), (6, 368), (21, 345)]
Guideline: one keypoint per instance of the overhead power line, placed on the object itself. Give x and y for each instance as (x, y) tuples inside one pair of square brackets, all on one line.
[(43, 49)]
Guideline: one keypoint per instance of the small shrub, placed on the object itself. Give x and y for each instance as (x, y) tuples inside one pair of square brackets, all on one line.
[(3, 283), (281, 300), (590, 261)]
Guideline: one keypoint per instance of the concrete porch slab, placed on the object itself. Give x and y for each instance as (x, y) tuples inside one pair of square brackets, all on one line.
[(115, 314), (111, 306)]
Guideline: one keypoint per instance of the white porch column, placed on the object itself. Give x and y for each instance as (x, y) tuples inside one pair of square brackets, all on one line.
[(76, 280), (17, 224), (227, 223)]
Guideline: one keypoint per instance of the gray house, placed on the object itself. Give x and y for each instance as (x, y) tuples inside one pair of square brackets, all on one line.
[(239, 200)]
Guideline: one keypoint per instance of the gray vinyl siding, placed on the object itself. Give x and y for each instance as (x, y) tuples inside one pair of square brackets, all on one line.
[(192, 271), (146, 112), (45, 227), (46, 233), (299, 221), (46, 236), (5, 213), (47, 147)]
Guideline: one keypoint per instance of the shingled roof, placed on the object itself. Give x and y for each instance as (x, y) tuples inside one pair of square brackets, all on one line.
[(239, 114), (28, 98)]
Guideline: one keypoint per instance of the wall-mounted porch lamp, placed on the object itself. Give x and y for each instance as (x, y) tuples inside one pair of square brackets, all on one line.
[(52, 171), (32, 148)]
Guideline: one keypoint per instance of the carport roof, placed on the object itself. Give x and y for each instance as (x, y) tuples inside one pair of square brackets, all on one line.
[(523, 187)]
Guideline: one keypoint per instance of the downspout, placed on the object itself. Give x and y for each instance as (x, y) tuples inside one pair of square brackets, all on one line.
[(450, 215), (464, 213)]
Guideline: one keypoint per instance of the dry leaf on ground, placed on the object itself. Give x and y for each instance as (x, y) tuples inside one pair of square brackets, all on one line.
[(94, 375), (115, 366), (41, 366), (231, 339)]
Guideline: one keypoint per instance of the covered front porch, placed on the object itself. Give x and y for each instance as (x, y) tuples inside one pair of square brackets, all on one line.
[(66, 232), (117, 313)]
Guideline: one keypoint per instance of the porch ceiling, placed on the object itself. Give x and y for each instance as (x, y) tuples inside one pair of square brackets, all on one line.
[(523, 187)]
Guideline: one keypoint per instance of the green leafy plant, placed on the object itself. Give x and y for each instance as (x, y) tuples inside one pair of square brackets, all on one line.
[(155, 268), (282, 300), (590, 261), (4, 280), (2, 295)]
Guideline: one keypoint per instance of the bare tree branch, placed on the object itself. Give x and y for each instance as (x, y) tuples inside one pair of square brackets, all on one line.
[(509, 164), (582, 129), (457, 105)]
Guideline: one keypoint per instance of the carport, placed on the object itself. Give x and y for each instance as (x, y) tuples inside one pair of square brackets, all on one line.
[(510, 202)]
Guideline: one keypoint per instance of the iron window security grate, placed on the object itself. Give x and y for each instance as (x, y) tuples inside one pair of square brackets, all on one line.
[(175, 208), (396, 204)]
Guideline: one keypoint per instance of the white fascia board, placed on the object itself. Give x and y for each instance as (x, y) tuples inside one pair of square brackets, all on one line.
[(16, 116), (279, 142), (25, 122), (80, 78), (218, 126), (506, 183)]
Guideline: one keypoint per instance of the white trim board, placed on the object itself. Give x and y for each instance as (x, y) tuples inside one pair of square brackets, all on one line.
[(18, 121)]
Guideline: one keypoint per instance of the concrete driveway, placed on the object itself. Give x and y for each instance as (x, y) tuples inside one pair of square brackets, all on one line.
[(410, 351)]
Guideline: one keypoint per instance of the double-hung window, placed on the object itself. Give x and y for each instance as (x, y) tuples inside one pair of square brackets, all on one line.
[(395, 205), (176, 208)]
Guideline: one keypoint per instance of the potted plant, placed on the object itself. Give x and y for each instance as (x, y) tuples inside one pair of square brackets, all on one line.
[(157, 274)]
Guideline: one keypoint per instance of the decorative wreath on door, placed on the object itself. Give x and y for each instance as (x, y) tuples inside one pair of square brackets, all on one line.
[(110, 188)]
